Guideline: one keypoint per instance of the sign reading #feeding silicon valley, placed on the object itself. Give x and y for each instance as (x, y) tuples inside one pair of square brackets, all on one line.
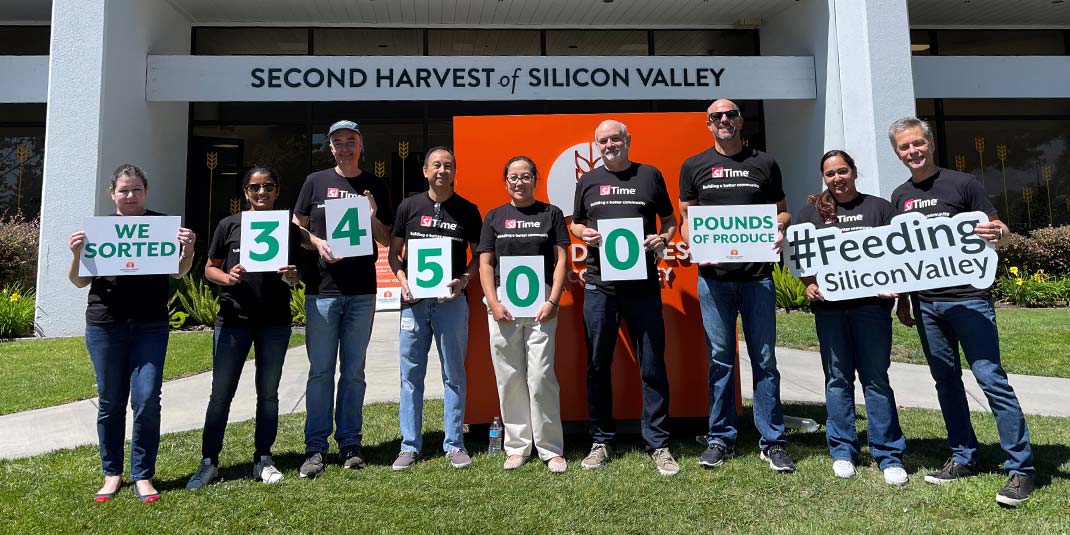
[(141, 245), (910, 254), (429, 261), (265, 240), (732, 233), (522, 286), (623, 255)]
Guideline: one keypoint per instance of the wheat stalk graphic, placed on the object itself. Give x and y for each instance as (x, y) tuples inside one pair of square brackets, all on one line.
[(380, 169), (1045, 171), (235, 205), (1001, 153), (979, 146), (403, 151), (22, 153), (1027, 195), (584, 164), (212, 161), (960, 163)]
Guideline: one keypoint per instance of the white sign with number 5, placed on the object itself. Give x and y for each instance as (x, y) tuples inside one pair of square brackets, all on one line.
[(429, 265), (265, 240), (349, 227)]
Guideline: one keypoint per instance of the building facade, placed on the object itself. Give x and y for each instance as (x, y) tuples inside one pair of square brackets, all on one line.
[(195, 92)]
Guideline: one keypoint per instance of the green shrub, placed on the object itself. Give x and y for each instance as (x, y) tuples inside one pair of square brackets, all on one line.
[(790, 291), (16, 311), (1018, 286), (18, 251), (297, 303), (198, 299), (1046, 249)]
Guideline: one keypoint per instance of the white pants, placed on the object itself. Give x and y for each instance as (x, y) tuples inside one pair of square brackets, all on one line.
[(523, 355)]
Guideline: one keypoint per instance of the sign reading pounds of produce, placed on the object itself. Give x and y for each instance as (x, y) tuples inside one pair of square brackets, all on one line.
[(522, 284), (910, 254), (737, 233), (142, 245), (265, 240), (623, 255), (349, 226), (429, 263)]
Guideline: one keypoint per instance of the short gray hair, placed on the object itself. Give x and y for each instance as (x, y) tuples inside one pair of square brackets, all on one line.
[(910, 122), (620, 126)]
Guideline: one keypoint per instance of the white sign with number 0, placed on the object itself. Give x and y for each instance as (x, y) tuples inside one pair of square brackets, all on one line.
[(522, 285), (429, 265), (623, 255), (265, 240), (349, 227)]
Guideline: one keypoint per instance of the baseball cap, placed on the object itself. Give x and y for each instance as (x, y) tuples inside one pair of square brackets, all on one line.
[(343, 125)]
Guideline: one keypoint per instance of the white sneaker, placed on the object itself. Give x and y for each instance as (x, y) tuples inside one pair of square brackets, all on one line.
[(843, 468), (265, 470), (895, 476)]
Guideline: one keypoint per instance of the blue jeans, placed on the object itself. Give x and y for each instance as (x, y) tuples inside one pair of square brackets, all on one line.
[(128, 361), (230, 347), (721, 302), (337, 331), (943, 326), (858, 339), (641, 311), (447, 321)]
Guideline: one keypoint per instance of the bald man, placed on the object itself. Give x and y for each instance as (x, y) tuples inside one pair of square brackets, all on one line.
[(730, 174), (621, 188)]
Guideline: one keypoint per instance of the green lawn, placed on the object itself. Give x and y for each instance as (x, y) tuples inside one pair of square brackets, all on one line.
[(52, 493), (58, 370), (1033, 341)]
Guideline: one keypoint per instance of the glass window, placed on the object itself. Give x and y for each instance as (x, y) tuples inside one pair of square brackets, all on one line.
[(1001, 43), (367, 42), (251, 41), (24, 40), (22, 150), (704, 43), (596, 43), (250, 112), (1006, 106), (483, 43), (920, 44), (926, 107)]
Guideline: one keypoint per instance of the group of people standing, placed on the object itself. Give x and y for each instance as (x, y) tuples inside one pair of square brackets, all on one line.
[(126, 331)]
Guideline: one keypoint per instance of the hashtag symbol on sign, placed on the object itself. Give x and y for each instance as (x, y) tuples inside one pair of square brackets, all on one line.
[(802, 248)]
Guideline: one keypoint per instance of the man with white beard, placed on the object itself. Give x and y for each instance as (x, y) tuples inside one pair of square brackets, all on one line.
[(624, 189)]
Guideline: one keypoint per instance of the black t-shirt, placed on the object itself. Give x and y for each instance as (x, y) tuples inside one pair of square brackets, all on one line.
[(353, 275), (533, 230), (747, 177), (140, 298), (261, 298), (458, 219), (862, 212), (945, 194), (638, 191)]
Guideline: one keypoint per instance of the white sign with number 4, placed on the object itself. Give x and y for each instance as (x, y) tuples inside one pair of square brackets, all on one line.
[(429, 265), (265, 240), (349, 227)]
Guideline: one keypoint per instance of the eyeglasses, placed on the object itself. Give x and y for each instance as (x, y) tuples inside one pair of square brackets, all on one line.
[(516, 179), (716, 115), (437, 218), (255, 188)]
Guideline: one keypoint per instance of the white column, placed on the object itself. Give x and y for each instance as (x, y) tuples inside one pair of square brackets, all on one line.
[(98, 119)]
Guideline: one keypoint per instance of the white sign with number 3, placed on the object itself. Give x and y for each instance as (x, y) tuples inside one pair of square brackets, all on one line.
[(623, 255), (265, 240), (349, 226), (429, 265)]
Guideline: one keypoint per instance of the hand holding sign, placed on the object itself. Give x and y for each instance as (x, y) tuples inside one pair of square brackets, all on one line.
[(622, 253), (265, 240), (349, 227), (429, 262), (522, 285)]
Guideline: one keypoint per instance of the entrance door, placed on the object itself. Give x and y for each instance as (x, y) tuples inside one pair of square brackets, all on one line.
[(213, 184)]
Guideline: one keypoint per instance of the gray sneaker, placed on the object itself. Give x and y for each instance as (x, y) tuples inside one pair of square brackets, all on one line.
[(405, 460), (204, 475), (459, 458), (664, 461), (599, 456), (313, 465)]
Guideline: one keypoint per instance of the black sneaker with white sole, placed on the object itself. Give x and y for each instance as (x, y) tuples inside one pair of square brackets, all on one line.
[(1017, 490), (351, 457), (778, 459), (951, 471), (716, 455)]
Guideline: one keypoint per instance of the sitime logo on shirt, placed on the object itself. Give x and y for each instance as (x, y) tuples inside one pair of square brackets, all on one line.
[(849, 218), (514, 224), (425, 221), (911, 204), (332, 193), (721, 172), (615, 190), (428, 221)]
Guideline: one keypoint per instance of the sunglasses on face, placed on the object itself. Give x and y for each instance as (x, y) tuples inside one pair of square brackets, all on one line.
[(255, 188), (716, 115)]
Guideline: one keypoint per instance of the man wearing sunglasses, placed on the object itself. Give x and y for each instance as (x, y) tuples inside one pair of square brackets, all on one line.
[(730, 174)]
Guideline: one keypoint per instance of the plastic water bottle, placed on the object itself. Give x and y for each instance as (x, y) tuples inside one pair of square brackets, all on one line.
[(494, 441), (805, 425)]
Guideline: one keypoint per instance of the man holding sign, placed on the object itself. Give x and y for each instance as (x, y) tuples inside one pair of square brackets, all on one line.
[(339, 297), (606, 195), (960, 315), (730, 174)]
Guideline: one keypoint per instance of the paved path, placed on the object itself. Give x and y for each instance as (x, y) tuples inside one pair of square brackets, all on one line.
[(184, 400)]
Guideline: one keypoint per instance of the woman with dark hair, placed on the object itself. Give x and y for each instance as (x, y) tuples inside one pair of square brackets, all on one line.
[(254, 311), (522, 349), (126, 335), (855, 335), (438, 213)]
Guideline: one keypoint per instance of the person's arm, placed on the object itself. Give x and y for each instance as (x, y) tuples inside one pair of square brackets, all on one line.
[(783, 219), (486, 280), (460, 283), (813, 292), (549, 309), (902, 310), (315, 243), (684, 231), (76, 243), (993, 232), (397, 244), (186, 238), (658, 242), (380, 231), (213, 271)]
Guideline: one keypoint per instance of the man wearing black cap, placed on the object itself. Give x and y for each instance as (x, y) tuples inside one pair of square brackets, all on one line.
[(339, 302)]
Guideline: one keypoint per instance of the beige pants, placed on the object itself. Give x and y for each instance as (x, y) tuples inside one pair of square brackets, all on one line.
[(523, 355)]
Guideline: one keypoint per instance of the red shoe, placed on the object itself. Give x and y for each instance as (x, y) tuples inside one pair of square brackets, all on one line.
[(146, 498)]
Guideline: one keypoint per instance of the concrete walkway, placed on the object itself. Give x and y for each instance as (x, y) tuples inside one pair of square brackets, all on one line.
[(184, 400)]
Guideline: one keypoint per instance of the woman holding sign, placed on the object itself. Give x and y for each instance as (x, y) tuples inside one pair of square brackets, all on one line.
[(856, 334), (516, 235), (126, 335), (254, 309), (433, 277)]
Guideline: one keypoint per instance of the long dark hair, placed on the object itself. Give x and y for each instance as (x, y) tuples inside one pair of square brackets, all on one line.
[(267, 170), (824, 202)]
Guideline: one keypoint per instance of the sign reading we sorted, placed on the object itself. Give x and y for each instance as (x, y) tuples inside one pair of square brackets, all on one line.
[(134, 245), (910, 254), (732, 233)]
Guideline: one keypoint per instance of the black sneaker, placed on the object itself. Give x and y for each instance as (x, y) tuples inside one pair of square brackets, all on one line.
[(716, 455), (313, 465), (951, 471), (351, 457), (778, 459), (1016, 491)]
